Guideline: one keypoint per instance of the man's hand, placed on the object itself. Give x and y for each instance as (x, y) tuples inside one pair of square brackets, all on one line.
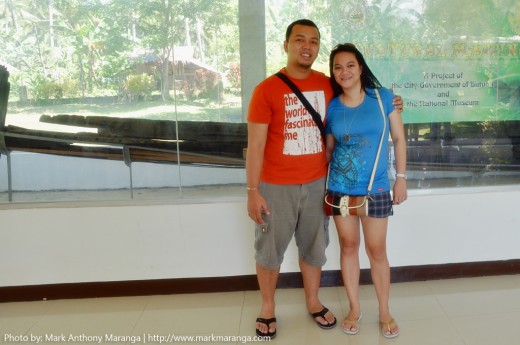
[(398, 103), (256, 206)]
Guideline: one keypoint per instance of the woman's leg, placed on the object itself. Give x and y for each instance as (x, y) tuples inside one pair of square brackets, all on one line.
[(374, 231), (349, 241)]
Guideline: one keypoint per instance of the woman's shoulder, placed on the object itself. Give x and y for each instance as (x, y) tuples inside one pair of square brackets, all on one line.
[(334, 107), (335, 103), (385, 94), (383, 91)]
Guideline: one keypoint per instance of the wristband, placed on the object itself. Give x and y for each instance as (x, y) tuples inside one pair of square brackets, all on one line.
[(400, 175)]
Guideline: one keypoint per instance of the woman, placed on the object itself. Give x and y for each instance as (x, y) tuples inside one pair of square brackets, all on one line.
[(356, 127)]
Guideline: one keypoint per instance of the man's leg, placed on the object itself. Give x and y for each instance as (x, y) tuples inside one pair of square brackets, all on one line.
[(311, 284), (312, 238), (271, 245), (267, 279)]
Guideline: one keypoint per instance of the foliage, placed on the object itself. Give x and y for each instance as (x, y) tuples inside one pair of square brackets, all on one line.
[(97, 43), (206, 84), (234, 78), (92, 41), (43, 89), (140, 85), (70, 88)]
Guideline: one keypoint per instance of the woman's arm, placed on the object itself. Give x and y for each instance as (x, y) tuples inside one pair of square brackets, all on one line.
[(399, 140)]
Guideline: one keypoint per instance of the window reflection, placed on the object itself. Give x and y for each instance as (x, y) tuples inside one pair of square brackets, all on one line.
[(114, 100)]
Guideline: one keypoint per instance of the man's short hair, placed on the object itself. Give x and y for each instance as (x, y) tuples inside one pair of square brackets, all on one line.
[(306, 22)]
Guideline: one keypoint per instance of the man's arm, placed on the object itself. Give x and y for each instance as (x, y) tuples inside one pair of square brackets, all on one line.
[(329, 146), (256, 140)]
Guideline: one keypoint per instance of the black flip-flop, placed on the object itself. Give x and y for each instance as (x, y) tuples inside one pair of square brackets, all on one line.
[(266, 322), (322, 315)]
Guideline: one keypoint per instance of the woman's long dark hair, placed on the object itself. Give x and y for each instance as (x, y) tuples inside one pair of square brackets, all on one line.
[(368, 79)]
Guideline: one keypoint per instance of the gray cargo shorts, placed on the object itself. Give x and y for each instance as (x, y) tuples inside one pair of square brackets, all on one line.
[(295, 210)]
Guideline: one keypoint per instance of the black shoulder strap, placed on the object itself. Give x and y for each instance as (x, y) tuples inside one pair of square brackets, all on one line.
[(316, 117)]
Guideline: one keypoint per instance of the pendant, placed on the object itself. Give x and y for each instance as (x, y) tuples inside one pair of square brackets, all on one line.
[(346, 137)]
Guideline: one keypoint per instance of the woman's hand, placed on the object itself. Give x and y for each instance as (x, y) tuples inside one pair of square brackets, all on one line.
[(400, 191)]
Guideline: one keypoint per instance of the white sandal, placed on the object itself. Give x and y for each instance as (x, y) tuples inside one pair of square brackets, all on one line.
[(386, 329), (352, 323)]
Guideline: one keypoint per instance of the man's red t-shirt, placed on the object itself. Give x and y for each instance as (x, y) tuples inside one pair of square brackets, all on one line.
[(294, 152)]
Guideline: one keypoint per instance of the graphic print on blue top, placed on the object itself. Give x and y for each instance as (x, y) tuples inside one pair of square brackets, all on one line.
[(353, 158), (345, 168)]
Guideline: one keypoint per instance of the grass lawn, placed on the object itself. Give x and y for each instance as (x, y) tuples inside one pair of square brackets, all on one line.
[(200, 110)]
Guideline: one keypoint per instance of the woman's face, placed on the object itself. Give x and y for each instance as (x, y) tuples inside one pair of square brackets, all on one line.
[(347, 70)]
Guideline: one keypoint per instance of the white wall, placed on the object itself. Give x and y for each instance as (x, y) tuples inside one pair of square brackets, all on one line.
[(66, 243)]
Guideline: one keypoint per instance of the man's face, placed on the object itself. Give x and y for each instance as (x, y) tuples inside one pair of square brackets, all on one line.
[(303, 46)]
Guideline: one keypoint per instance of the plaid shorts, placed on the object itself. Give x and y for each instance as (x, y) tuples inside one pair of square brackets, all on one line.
[(379, 205)]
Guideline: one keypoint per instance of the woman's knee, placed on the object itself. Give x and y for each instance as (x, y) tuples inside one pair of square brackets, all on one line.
[(377, 253), (349, 246)]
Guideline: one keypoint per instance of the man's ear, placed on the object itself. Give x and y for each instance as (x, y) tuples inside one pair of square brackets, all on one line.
[(285, 46)]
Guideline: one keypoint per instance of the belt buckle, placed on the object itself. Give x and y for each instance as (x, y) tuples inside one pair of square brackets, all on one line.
[(343, 205)]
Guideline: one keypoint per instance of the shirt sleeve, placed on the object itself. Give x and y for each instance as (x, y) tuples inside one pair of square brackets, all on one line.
[(260, 109), (387, 97)]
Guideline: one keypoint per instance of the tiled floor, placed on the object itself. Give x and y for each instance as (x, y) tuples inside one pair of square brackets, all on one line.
[(472, 311)]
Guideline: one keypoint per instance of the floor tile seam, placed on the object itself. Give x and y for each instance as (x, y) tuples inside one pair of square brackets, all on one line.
[(456, 330), (481, 313), (42, 316), (448, 317), (462, 287), (486, 315), (400, 316), (497, 292), (436, 297), (453, 318), (141, 314), (241, 312)]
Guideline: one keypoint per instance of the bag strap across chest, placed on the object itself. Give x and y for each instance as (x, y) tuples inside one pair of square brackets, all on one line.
[(315, 115)]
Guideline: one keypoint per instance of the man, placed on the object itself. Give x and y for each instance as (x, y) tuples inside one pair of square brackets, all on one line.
[(286, 168)]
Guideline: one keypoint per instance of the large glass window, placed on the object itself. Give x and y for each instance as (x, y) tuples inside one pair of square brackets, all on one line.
[(455, 63), (118, 99), (120, 96)]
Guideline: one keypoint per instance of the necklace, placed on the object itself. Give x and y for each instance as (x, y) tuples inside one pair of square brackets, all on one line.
[(346, 137)]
